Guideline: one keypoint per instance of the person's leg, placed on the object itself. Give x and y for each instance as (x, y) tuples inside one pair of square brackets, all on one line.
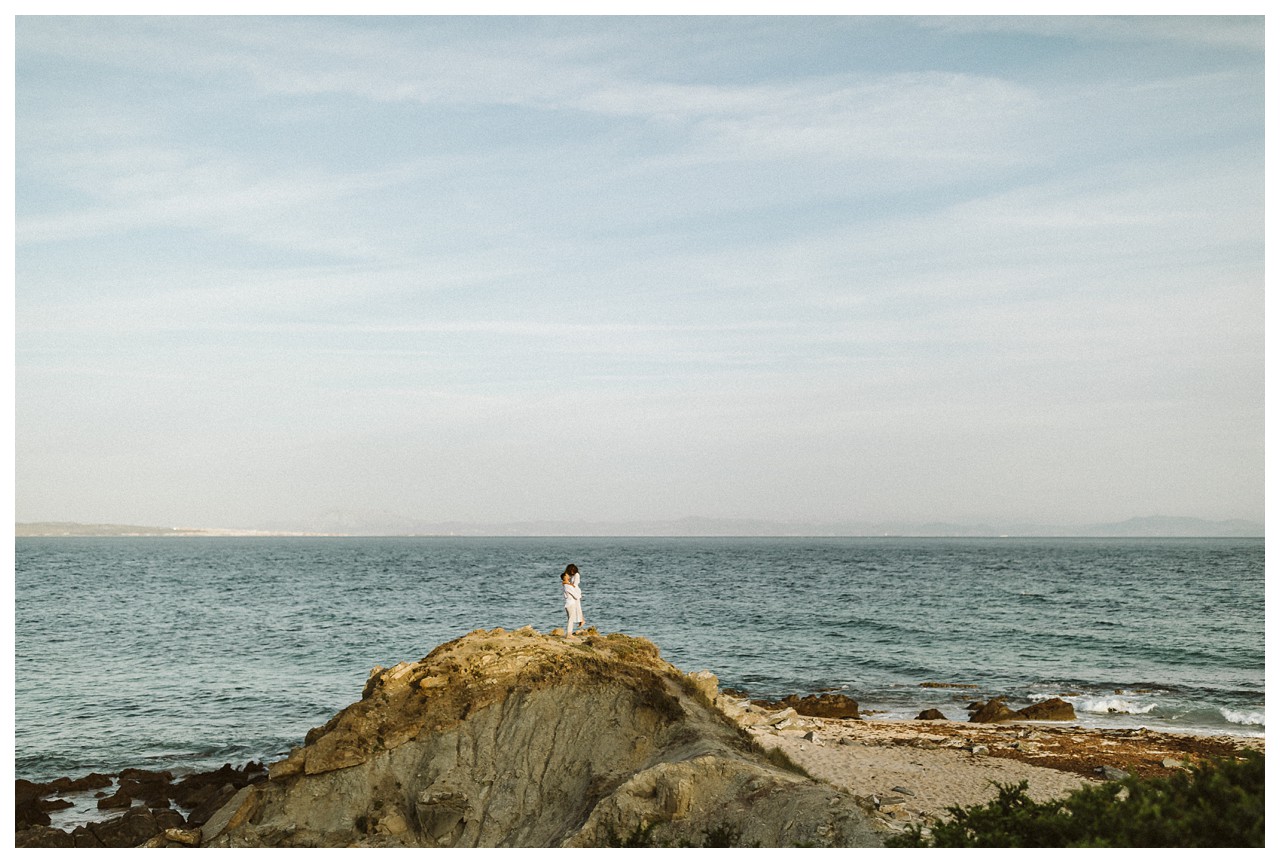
[(568, 611)]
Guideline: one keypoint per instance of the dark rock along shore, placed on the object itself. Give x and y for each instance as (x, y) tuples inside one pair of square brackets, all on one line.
[(498, 739), (155, 793)]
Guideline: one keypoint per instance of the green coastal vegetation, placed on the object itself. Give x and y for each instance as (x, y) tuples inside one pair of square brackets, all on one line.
[(1219, 804)]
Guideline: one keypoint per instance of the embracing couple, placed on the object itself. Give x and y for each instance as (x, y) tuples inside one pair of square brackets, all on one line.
[(569, 581)]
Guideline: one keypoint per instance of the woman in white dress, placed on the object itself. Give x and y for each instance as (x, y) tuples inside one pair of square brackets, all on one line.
[(576, 579), (572, 601)]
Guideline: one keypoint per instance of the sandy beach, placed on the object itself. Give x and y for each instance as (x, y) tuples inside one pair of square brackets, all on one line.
[(911, 772)]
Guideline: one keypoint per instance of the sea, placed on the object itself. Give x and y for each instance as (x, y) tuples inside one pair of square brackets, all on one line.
[(187, 653)]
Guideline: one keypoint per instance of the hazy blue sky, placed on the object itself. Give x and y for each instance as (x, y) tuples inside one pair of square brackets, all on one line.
[(622, 268)]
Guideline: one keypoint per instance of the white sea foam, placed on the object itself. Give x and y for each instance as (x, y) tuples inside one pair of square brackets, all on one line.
[(1113, 705), (1244, 717)]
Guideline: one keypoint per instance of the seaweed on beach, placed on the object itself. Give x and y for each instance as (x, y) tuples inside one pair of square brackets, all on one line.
[(1219, 804)]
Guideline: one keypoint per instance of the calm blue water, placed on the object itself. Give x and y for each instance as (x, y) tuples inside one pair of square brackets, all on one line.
[(187, 653)]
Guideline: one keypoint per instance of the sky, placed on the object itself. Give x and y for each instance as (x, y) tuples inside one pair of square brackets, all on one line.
[(979, 269)]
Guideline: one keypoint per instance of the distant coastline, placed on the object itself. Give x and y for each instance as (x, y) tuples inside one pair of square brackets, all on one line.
[(380, 524), (71, 528)]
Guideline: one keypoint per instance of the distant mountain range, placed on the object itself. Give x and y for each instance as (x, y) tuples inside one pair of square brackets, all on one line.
[(73, 528), (375, 523)]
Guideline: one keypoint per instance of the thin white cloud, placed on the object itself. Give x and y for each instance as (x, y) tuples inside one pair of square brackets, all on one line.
[(130, 189), (1228, 32)]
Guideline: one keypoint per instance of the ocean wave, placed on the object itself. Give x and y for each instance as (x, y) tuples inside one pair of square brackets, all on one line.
[(1244, 717), (1112, 704)]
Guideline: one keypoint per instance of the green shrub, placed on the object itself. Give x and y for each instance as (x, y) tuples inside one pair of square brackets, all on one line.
[(1216, 805)]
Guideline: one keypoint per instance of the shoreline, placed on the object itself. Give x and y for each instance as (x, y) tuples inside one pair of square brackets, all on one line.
[(911, 771), (1118, 723), (908, 772)]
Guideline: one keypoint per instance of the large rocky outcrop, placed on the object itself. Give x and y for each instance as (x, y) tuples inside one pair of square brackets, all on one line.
[(516, 739)]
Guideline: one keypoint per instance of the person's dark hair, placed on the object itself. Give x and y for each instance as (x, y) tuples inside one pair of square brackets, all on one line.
[(571, 569)]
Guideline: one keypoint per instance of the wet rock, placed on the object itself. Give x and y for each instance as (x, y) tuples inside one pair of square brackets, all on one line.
[(29, 813), (828, 705), (936, 685), (134, 774), (135, 827), (825, 706), (994, 710), (211, 804), (152, 791), (41, 836), (1050, 710), (83, 837), (30, 810), (26, 790), (63, 785), (931, 714), (194, 790), (119, 800)]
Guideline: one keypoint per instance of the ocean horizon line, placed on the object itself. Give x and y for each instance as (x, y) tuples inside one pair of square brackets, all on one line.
[(691, 528)]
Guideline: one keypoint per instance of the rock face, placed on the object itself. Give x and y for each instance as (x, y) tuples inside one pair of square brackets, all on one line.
[(516, 739), (931, 714)]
